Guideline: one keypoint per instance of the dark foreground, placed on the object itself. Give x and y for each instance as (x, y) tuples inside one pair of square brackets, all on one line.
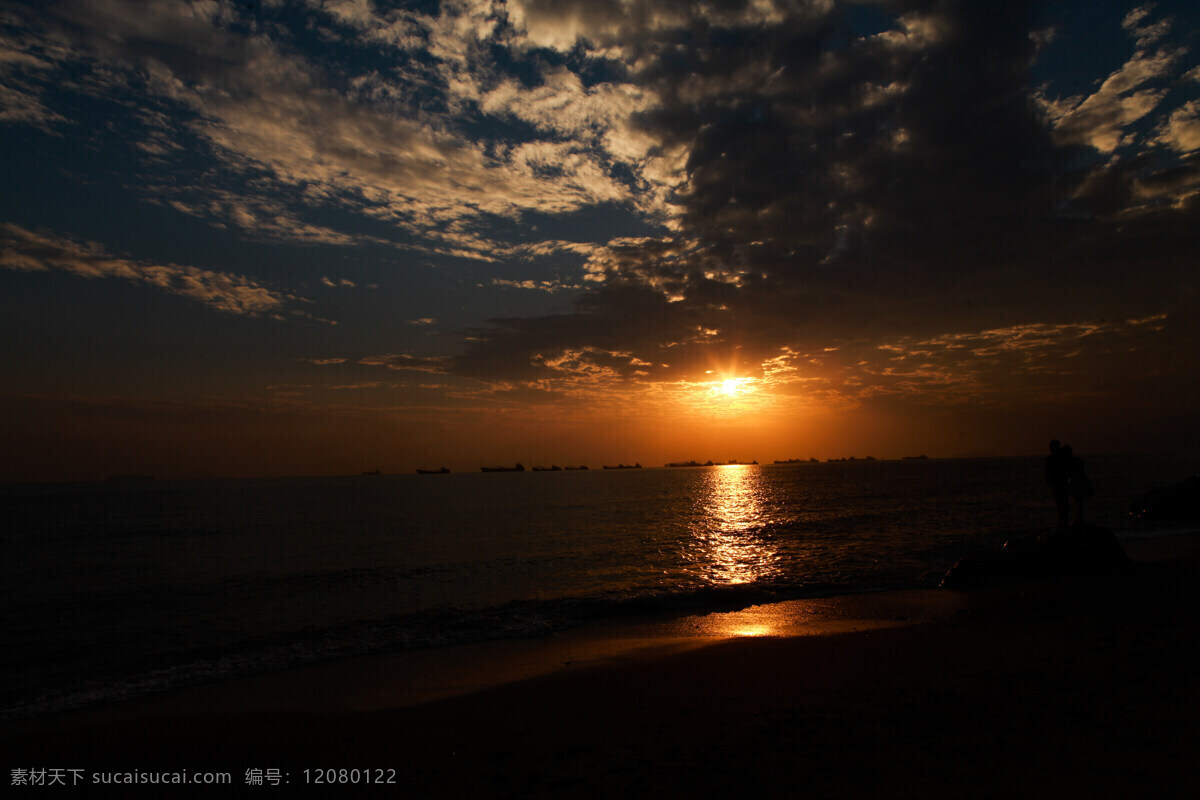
[(1073, 688)]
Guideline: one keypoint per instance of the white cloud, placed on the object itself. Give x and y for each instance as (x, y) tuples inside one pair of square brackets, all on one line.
[(563, 106), (275, 117), (1101, 119), (21, 249), (1181, 131)]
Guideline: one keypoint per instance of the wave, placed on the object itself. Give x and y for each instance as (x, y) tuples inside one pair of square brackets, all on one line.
[(435, 628)]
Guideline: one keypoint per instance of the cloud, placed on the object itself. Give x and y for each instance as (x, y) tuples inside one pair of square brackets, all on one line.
[(25, 61), (1000, 363), (406, 363), (794, 181), (19, 105), (1145, 34), (848, 190), (548, 248), (21, 249), (256, 215), (598, 117), (561, 24), (1181, 131), (361, 385), (1101, 119), (540, 286), (284, 125)]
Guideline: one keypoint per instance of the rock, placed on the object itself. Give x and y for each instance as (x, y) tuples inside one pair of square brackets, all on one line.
[(1178, 502), (1079, 550)]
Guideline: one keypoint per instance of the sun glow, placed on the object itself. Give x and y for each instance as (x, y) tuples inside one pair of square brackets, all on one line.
[(718, 394), (730, 386)]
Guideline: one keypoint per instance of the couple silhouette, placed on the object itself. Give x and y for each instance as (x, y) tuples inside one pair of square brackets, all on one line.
[(1068, 481)]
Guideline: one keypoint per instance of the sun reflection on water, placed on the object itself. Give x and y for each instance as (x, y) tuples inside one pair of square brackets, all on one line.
[(732, 511)]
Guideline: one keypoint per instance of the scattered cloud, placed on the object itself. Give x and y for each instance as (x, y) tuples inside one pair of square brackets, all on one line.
[(841, 197), (1102, 119), (799, 200), (283, 125), (26, 60), (1181, 131), (1144, 32), (251, 212), (21, 249), (406, 363), (540, 286)]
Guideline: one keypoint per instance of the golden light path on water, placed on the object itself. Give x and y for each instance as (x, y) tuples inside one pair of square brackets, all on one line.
[(733, 506), (732, 510)]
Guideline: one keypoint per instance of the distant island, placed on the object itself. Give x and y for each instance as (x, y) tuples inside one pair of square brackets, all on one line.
[(624, 466), (442, 471), (517, 468)]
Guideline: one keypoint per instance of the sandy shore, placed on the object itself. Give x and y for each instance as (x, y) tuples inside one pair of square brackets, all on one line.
[(1078, 688)]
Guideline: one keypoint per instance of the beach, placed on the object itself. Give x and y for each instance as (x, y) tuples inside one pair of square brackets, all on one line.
[(1073, 687), (627, 399)]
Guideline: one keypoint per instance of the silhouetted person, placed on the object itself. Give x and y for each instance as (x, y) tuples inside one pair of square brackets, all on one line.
[(1079, 485), (1058, 476)]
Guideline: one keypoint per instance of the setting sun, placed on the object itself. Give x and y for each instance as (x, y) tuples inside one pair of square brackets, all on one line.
[(730, 386)]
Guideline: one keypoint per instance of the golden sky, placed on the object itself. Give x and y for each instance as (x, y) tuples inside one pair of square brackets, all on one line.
[(291, 237)]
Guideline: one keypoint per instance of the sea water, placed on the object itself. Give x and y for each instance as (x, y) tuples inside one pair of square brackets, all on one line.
[(112, 590)]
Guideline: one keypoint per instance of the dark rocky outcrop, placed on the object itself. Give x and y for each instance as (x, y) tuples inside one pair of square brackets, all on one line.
[(1091, 549), (1180, 502)]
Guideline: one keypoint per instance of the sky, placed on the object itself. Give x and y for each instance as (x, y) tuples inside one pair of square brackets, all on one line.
[(309, 237)]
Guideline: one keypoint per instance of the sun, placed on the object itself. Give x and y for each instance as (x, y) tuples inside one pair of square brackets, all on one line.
[(724, 396)]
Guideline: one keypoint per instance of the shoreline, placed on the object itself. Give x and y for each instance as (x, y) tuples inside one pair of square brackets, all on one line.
[(289, 688), (1044, 687), (385, 681)]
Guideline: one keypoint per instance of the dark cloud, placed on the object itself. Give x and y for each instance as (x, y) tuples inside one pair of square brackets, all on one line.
[(402, 362), (842, 188), (830, 197)]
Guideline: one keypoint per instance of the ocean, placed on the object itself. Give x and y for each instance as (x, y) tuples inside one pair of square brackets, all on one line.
[(112, 590)]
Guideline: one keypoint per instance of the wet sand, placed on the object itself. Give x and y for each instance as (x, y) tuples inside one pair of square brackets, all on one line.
[(1073, 688)]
